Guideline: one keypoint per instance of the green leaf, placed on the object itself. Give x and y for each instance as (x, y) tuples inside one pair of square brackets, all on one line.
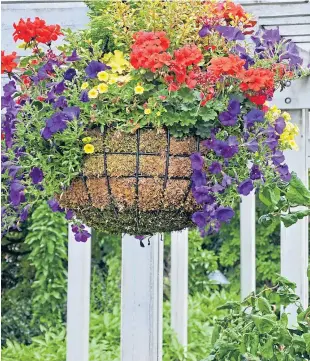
[(267, 349), (230, 305), (215, 334), (297, 193), (263, 305), (263, 323), (269, 196), (289, 219), (306, 337)]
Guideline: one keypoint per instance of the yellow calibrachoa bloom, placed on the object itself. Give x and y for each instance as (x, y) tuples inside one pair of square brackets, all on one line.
[(116, 61), (112, 79), (84, 85), (86, 140), (93, 93), (147, 111), (139, 89), (103, 76), (89, 148), (103, 88), (286, 116), (287, 138), (158, 114), (124, 78)]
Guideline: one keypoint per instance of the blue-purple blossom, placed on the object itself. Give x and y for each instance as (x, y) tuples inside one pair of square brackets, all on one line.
[(36, 175), (204, 31), (54, 205), (69, 214), (229, 118), (16, 193), (279, 125), (226, 181), (200, 219), (199, 178), (24, 213), (224, 214), (271, 37), (60, 87), (284, 172), (94, 67), (255, 172), (292, 54), (245, 187), (69, 74), (254, 115), (9, 88), (81, 235), (73, 56), (278, 157), (13, 170), (197, 161), (61, 102), (230, 33), (215, 168), (84, 96), (271, 142), (202, 195), (252, 145)]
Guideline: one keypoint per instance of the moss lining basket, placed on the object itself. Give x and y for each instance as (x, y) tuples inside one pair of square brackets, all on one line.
[(135, 183)]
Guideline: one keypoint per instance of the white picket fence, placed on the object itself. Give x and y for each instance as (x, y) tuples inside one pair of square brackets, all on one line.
[(142, 268)]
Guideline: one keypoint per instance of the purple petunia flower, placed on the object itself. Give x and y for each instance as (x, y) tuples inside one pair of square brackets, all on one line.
[(292, 54), (94, 67), (61, 102), (84, 96), (252, 145), (279, 125), (227, 119), (200, 219), (69, 74), (271, 142), (284, 172), (82, 235), (54, 205), (226, 181), (73, 56), (230, 33), (277, 157), (139, 237), (199, 178), (204, 31), (24, 213), (234, 107), (224, 214), (254, 115), (9, 88), (13, 169), (16, 193), (69, 214), (245, 187), (36, 175), (202, 195), (215, 168), (197, 161), (59, 87), (255, 172), (271, 37)]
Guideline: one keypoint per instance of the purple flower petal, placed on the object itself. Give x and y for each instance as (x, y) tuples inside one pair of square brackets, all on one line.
[(200, 219), (254, 115), (230, 33), (215, 168), (94, 67), (84, 96), (255, 172), (204, 31), (252, 145), (245, 187), (199, 178), (197, 161), (73, 56), (36, 175), (279, 125), (69, 74), (278, 157), (224, 214)]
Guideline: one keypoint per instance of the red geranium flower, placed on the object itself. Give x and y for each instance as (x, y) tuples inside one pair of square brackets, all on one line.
[(257, 99), (257, 79), (36, 30), (231, 65), (7, 63)]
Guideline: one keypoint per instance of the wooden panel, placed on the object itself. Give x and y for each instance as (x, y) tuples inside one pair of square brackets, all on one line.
[(293, 30), (293, 20), (247, 245), (142, 295), (296, 96), (78, 298), (179, 284), (294, 240), (273, 10)]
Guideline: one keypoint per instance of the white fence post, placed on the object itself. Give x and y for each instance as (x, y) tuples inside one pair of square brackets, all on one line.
[(78, 299), (247, 245), (142, 297), (179, 284), (294, 240)]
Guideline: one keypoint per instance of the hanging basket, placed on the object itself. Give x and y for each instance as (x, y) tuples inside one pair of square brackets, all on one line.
[(135, 183)]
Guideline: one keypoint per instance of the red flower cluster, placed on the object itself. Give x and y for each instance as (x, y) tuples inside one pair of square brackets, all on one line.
[(36, 30), (231, 65), (148, 50), (257, 80), (7, 62)]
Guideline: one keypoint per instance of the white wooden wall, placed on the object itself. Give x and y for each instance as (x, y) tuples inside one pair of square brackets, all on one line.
[(142, 267)]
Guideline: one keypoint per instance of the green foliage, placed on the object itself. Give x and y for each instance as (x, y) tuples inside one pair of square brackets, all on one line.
[(255, 330), (48, 257)]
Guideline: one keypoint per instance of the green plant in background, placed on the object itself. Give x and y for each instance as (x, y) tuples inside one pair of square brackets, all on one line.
[(254, 330)]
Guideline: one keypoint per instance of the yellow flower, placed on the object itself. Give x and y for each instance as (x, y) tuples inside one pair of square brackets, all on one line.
[(103, 76), (113, 79), (139, 89), (288, 135), (116, 61), (124, 78), (86, 140), (147, 111), (158, 114), (89, 148), (286, 116), (103, 88), (84, 85), (93, 93)]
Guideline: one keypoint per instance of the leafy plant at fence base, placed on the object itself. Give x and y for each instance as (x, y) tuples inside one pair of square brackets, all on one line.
[(256, 330)]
